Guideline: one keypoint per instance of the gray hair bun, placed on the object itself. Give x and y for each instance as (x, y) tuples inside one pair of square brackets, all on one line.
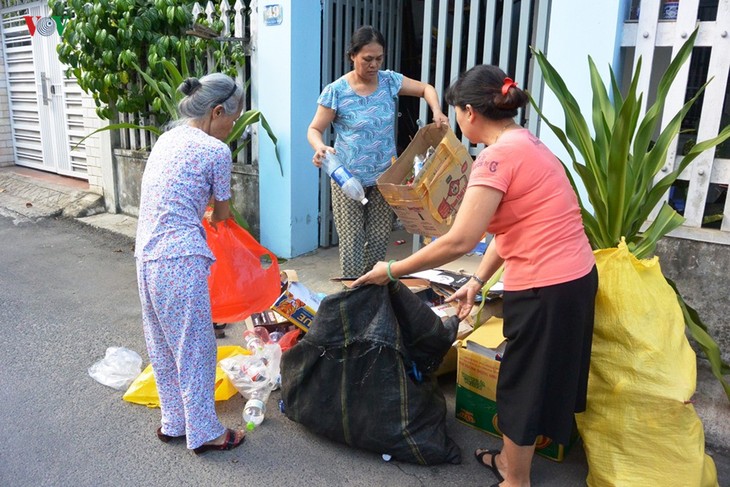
[(190, 86)]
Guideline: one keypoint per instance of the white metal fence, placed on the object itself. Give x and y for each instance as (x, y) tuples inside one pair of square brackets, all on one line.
[(655, 30)]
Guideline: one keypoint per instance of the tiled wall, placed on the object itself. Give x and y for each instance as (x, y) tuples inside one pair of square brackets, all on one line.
[(6, 140)]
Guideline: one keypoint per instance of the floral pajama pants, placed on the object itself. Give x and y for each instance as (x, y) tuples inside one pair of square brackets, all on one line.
[(363, 230), (181, 344)]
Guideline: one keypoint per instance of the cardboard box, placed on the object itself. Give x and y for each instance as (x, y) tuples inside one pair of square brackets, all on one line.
[(476, 390), (428, 205), (269, 319), (297, 304)]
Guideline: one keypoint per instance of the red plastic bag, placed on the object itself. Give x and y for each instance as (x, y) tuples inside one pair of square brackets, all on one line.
[(239, 284), (290, 339)]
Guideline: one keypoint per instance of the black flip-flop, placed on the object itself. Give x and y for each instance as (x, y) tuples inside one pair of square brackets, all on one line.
[(167, 438), (492, 465)]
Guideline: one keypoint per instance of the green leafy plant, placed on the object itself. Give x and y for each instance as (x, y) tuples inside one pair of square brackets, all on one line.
[(169, 97), (131, 56), (618, 166), (103, 39)]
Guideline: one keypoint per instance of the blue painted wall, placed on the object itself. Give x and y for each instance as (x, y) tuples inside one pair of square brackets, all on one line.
[(287, 71)]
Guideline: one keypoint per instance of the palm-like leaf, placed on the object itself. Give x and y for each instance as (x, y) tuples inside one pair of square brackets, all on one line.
[(619, 165)]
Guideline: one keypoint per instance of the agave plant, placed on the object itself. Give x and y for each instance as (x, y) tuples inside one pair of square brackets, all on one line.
[(618, 166)]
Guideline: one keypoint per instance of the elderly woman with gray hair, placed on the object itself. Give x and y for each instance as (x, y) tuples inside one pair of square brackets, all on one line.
[(189, 165)]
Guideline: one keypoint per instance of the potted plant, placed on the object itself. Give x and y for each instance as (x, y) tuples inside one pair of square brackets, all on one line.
[(643, 371)]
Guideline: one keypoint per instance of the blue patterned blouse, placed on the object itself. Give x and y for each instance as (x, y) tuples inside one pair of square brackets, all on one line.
[(364, 125)]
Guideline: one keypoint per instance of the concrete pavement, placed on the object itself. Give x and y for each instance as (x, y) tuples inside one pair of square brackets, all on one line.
[(30, 195)]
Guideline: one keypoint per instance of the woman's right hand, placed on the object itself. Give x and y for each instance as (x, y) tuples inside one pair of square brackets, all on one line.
[(465, 297), (320, 153)]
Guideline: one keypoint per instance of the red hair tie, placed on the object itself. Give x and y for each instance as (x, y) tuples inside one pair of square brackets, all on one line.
[(508, 83)]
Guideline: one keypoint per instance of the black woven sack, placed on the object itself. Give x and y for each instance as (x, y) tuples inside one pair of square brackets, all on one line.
[(354, 377)]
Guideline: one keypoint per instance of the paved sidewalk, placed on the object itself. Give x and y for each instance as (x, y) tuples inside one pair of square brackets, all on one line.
[(29, 195)]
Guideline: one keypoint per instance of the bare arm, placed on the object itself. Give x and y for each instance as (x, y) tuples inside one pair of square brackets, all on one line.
[(221, 211), (411, 87), (321, 121), (475, 212)]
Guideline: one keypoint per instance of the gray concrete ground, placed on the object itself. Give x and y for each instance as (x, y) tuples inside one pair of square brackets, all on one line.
[(28, 196)]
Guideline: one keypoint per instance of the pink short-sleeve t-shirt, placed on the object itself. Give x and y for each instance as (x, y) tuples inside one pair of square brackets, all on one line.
[(537, 227)]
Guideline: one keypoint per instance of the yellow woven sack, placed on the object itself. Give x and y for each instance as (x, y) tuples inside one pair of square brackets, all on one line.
[(144, 390), (639, 428)]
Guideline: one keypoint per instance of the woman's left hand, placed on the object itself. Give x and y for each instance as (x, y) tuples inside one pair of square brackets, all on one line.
[(378, 275)]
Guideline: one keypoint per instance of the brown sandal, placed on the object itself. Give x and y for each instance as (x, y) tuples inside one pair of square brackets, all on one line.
[(230, 442)]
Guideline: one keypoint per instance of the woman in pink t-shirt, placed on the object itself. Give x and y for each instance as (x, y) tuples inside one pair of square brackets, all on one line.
[(519, 192)]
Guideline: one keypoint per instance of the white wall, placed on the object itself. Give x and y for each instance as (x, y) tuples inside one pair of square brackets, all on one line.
[(578, 29)]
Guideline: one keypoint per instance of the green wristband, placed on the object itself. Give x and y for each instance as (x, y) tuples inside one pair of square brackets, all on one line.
[(390, 276)]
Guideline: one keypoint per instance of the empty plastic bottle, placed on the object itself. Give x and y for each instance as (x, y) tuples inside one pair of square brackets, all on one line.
[(252, 341), (255, 408), (275, 336), (344, 178)]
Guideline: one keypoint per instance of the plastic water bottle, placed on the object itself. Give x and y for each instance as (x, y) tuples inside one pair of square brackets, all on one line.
[(255, 408), (344, 178), (275, 336), (253, 341)]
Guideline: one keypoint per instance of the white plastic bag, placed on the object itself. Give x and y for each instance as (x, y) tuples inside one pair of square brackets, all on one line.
[(254, 372), (118, 369)]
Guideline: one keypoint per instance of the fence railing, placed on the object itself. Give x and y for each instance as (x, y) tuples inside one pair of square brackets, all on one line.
[(654, 31)]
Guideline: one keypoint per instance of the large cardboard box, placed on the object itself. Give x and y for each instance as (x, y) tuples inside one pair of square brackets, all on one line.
[(428, 205), (476, 389)]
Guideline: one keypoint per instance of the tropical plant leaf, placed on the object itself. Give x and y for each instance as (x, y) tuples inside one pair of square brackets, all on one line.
[(700, 334), (248, 118), (117, 126), (667, 220), (620, 164), (240, 220), (485, 290)]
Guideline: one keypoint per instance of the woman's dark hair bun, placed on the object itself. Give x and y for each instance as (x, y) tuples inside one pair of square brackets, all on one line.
[(189, 86)]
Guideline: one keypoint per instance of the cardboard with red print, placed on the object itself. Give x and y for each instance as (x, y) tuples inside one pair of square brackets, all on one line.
[(427, 206)]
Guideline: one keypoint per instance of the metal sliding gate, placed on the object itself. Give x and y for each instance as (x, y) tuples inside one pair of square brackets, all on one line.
[(46, 116), (452, 36), (340, 18)]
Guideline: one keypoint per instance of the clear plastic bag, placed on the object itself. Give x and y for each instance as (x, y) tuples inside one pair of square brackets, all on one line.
[(118, 369), (254, 372)]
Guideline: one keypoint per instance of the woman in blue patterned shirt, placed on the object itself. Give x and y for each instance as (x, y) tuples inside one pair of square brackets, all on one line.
[(362, 105)]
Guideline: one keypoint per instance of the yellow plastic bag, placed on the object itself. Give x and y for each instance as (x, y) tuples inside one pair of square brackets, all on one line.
[(639, 428), (144, 390)]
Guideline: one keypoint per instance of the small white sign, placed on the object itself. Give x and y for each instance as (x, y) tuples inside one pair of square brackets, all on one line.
[(273, 14)]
